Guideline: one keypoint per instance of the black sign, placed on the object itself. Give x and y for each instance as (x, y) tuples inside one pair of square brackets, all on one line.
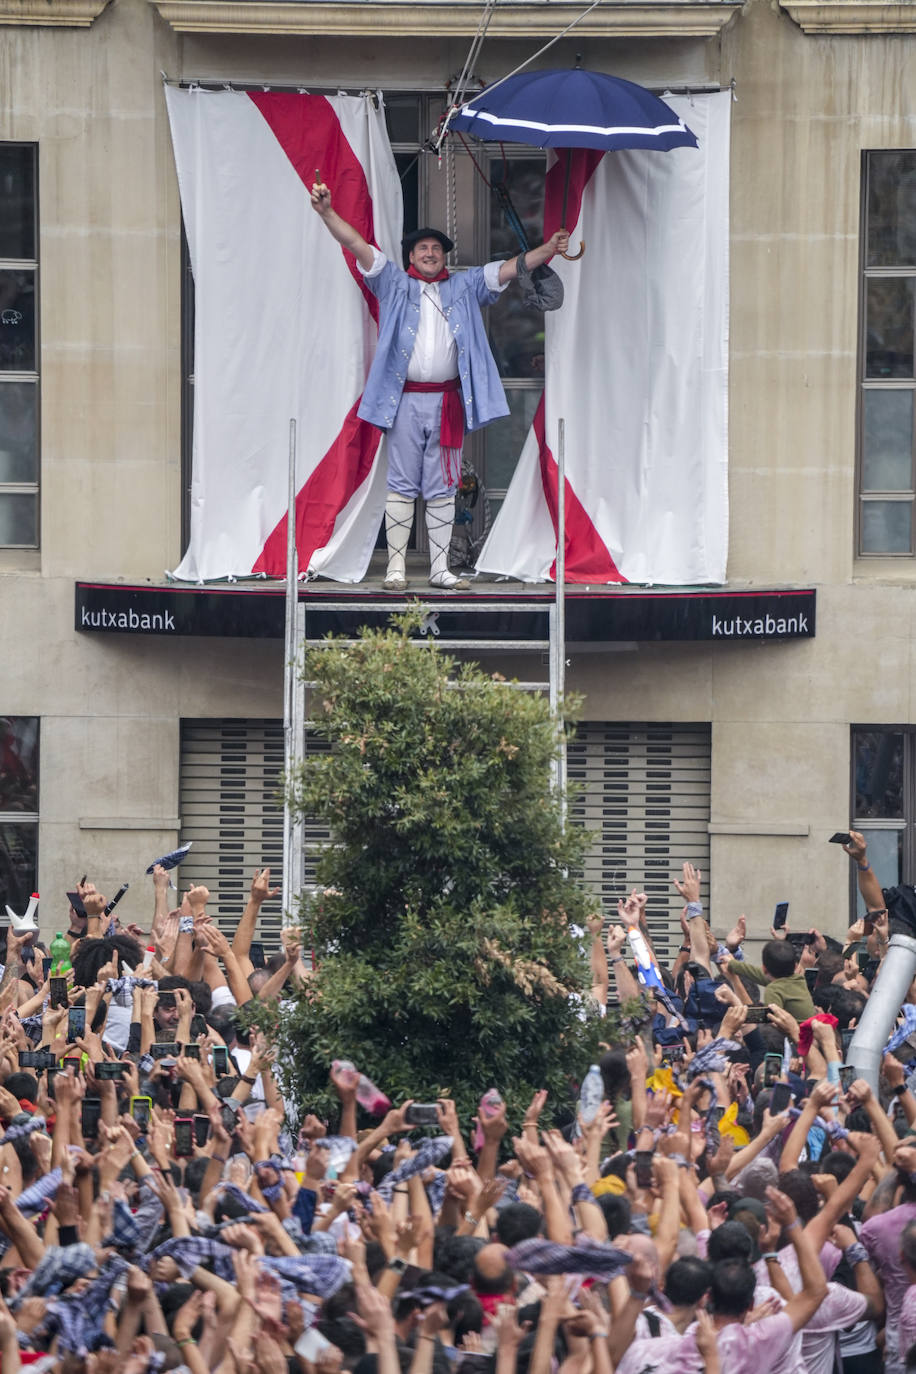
[(603, 615)]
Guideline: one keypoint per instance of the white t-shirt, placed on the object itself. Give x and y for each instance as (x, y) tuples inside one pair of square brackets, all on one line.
[(256, 1102)]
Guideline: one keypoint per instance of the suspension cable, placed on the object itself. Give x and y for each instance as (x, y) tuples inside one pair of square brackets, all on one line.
[(453, 109)]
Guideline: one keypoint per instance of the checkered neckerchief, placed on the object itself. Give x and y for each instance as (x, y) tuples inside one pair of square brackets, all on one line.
[(430, 1151)]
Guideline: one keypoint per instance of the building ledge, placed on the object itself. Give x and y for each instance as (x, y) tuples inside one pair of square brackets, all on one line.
[(445, 18), (70, 14), (503, 615), (853, 16)]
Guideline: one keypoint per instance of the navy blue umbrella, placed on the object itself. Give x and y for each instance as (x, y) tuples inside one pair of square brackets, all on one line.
[(570, 107)]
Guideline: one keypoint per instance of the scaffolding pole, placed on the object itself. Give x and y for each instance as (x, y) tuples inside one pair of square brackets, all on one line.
[(558, 622), (293, 700)]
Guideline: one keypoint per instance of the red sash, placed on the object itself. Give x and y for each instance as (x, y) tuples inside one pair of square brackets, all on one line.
[(451, 427)]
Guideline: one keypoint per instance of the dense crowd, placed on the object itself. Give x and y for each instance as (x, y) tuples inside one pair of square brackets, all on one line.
[(726, 1197)]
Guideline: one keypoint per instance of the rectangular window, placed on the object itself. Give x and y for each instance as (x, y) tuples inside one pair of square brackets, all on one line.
[(18, 809), (887, 380), (19, 345), (884, 800)]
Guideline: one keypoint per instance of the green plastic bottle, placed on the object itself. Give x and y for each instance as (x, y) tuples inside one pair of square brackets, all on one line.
[(60, 955)]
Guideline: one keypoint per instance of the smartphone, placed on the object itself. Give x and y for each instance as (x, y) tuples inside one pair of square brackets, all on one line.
[(228, 1117), (780, 1098), (422, 1114), (846, 1039), (675, 1053), (756, 1016), (201, 1130), (116, 898), (311, 1344), (141, 1110), (76, 1022), (256, 954), (184, 1136), (198, 1025), (90, 1116), (191, 1051), (811, 978), (50, 1077), (46, 966), (76, 902), (839, 837), (37, 1059), (780, 915), (108, 1070), (848, 1075), (644, 1160), (772, 1069), (74, 1060), (58, 990), (162, 1049), (220, 1061), (869, 968)]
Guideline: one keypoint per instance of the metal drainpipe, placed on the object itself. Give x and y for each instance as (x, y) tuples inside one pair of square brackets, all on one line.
[(882, 1008)]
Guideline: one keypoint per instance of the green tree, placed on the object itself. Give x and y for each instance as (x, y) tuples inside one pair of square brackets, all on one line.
[(445, 961)]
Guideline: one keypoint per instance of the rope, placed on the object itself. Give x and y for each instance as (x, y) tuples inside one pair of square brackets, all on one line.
[(501, 190), (476, 45), (451, 206), (453, 109)]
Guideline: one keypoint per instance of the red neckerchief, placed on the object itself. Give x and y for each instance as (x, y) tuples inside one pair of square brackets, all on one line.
[(491, 1303), (412, 272)]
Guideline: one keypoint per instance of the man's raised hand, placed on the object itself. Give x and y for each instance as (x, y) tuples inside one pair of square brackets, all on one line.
[(321, 199)]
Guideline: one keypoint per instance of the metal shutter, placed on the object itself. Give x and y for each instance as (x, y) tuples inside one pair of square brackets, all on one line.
[(645, 795), (229, 796)]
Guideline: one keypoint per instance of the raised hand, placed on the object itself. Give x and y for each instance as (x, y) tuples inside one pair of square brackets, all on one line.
[(738, 934), (689, 884), (261, 888)]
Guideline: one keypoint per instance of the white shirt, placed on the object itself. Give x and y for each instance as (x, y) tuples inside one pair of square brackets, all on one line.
[(255, 1104), (435, 353)]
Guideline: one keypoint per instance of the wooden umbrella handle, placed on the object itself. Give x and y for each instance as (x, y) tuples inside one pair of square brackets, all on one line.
[(574, 257)]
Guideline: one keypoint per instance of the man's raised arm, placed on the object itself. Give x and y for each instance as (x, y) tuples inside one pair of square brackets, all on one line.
[(535, 257), (869, 886), (343, 232)]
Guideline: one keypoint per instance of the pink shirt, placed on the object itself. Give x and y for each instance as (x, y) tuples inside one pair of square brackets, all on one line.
[(742, 1350), (907, 1327), (881, 1238)]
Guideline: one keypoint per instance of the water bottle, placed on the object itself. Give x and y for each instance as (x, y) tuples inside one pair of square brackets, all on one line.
[(148, 956), (591, 1095), (369, 1097), (60, 955), (490, 1104), (646, 967)]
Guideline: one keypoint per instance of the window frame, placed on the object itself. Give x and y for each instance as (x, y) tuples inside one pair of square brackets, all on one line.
[(905, 826), (30, 818), (32, 489), (865, 384)]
